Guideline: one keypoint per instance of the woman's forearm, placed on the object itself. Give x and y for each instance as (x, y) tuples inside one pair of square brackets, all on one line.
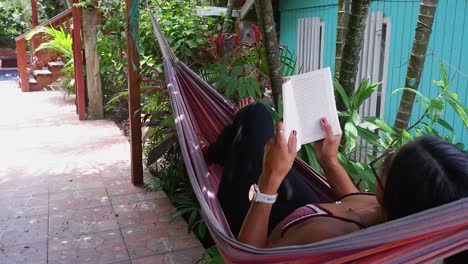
[(338, 178), (254, 230)]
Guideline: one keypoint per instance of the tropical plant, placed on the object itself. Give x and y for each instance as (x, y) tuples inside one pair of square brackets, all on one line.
[(60, 41), (211, 256), (416, 62), (378, 135), (241, 70)]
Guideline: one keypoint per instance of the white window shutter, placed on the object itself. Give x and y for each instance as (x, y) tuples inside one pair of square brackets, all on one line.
[(309, 44)]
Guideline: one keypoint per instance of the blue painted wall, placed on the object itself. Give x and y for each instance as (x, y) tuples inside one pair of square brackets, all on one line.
[(449, 43)]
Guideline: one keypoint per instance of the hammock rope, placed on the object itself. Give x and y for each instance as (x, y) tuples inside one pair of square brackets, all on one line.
[(200, 110)]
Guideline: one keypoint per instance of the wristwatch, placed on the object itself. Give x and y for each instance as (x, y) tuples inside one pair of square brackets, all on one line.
[(256, 196)]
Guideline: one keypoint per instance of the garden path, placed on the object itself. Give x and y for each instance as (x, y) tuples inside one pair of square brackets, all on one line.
[(65, 191)]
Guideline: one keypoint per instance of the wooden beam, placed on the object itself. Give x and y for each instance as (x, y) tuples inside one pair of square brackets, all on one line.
[(133, 65), (93, 77), (78, 63), (22, 64), (35, 17), (246, 8)]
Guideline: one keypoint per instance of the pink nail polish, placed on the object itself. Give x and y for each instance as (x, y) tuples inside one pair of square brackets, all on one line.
[(294, 133), (324, 120)]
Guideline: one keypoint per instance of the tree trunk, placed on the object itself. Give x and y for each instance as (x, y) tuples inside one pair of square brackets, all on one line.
[(227, 25), (93, 77), (343, 15), (427, 11), (352, 48), (270, 40)]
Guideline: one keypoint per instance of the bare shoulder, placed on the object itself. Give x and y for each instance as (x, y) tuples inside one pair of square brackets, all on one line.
[(314, 230), (360, 198)]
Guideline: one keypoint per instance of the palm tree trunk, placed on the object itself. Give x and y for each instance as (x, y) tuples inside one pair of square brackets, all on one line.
[(352, 47), (227, 25), (343, 15), (270, 40), (427, 11)]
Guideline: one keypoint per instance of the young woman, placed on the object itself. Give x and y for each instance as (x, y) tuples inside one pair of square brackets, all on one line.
[(285, 211)]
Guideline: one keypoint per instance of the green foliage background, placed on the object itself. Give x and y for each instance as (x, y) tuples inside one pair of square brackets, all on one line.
[(15, 17)]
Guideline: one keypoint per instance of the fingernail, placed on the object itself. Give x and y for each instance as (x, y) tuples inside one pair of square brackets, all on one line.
[(324, 120), (294, 133)]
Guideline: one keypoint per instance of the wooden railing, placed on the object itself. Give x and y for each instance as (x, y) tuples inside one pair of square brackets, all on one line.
[(37, 60)]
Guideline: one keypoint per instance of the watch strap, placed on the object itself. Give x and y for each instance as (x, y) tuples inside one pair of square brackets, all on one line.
[(264, 198)]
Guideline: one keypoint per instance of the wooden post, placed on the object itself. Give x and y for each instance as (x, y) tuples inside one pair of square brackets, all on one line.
[(35, 18), (22, 64), (133, 65), (36, 40), (78, 63), (93, 77)]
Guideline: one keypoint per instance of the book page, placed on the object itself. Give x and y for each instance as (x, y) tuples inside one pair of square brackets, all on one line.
[(314, 98), (290, 115)]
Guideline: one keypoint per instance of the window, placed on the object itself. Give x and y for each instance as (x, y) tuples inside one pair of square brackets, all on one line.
[(310, 35)]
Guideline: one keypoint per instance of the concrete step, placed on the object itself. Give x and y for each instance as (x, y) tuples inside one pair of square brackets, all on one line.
[(42, 72), (56, 64), (56, 68)]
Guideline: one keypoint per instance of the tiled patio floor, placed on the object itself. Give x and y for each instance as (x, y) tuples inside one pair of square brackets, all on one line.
[(65, 192)]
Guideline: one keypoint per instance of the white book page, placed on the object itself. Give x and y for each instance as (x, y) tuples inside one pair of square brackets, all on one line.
[(313, 98), (290, 115)]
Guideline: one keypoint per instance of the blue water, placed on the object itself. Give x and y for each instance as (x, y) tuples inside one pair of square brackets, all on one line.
[(8, 75)]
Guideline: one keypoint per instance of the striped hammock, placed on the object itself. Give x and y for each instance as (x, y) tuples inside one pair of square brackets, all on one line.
[(199, 109)]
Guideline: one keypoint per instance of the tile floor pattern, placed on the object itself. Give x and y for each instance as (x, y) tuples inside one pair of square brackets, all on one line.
[(65, 192)]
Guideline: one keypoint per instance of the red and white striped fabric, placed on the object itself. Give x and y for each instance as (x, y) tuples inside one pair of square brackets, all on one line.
[(199, 109)]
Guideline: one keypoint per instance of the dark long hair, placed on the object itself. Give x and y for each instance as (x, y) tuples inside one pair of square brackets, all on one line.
[(425, 173)]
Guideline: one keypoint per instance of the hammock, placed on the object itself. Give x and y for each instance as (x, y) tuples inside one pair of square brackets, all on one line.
[(199, 109)]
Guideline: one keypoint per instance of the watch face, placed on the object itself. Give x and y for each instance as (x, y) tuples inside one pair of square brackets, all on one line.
[(252, 192)]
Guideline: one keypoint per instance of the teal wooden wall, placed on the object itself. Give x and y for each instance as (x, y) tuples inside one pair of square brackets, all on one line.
[(449, 43)]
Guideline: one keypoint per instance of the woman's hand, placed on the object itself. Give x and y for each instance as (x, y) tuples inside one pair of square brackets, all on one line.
[(277, 160), (326, 150)]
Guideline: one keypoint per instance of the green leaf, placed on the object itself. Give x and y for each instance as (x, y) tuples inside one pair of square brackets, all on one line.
[(311, 160), (406, 137), (350, 135), (231, 87), (168, 122), (221, 83), (345, 162), (444, 75), (355, 118), (460, 145), (412, 91), (364, 91), (342, 93), (436, 108), (460, 110), (368, 126), (160, 149), (236, 71), (381, 124), (445, 125), (367, 135)]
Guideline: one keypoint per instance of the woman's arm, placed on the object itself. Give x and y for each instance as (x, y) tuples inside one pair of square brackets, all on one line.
[(277, 161), (326, 151)]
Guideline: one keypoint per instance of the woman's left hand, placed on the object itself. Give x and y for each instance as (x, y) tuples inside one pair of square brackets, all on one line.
[(277, 160)]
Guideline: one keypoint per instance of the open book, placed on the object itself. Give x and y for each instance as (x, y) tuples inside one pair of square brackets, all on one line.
[(306, 99)]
